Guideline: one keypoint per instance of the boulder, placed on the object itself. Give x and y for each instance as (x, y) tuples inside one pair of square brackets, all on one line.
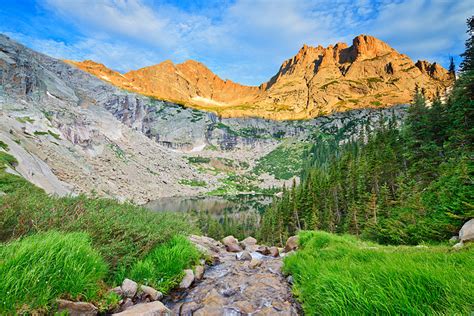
[(255, 263), (291, 244), (129, 288), (453, 239), (233, 248), (155, 308), (189, 308), (244, 256), (231, 244), (117, 290), (76, 308), (198, 272), (248, 242), (274, 252), (459, 245), (127, 303), (151, 293), (264, 250), (187, 280), (467, 231)]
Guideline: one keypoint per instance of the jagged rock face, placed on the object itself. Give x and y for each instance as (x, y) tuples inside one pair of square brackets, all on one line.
[(317, 81)]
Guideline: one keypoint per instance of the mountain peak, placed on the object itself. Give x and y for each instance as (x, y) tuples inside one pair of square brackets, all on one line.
[(315, 81)]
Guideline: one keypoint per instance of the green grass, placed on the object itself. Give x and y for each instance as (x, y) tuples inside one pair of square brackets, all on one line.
[(7, 160), (25, 119), (163, 267), (3, 145), (198, 159), (341, 275), (376, 103), (192, 182), (40, 268), (283, 162), (122, 233)]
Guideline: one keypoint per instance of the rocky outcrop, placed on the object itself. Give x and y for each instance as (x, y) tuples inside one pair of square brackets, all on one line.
[(316, 81)]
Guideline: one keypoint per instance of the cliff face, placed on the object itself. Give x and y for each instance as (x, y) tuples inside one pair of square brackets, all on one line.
[(316, 81)]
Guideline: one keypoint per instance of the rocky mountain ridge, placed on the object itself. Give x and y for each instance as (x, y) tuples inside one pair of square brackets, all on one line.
[(316, 81), (74, 133)]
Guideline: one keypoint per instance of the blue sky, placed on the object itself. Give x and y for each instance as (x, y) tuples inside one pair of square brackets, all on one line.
[(242, 40)]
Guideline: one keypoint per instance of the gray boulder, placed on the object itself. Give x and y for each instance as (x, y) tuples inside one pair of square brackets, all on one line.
[(291, 244), (77, 308), (187, 280), (467, 231), (129, 288), (155, 308), (151, 293)]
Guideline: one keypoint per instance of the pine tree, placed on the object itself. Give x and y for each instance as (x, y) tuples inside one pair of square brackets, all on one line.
[(468, 56)]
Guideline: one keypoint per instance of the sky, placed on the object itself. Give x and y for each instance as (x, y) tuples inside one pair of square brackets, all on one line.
[(242, 40)]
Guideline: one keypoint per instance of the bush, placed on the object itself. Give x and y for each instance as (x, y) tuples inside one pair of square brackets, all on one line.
[(341, 275), (163, 267), (122, 233), (40, 268)]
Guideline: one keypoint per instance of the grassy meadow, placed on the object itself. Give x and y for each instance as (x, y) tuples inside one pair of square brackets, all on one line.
[(342, 275)]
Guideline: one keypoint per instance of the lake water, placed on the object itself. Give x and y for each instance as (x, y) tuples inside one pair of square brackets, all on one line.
[(213, 204)]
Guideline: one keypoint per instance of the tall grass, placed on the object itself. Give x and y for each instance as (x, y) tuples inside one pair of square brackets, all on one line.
[(122, 233), (163, 267), (37, 269), (343, 275)]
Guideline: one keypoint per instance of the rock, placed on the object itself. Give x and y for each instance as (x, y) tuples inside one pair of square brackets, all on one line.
[(248, 242), (289, 279), (155, 308), (151, 293), (459, 245), (291, 244), (274, 252), (244, 256), (467, 231), (255, 263), (199, 272), (77, 308), (264, 250), (129, 288), (187, 280), (233, 248), (188, 308), (127, 303), (231, 244), (453, 239), (117, 290)]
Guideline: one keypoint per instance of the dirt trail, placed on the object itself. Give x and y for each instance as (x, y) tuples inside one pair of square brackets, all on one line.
[(236, 287)]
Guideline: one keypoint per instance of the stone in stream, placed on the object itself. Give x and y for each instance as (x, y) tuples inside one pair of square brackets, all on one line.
[(187, 280), (77, 308), (248, 243), (198, 272), (264, 250), (155, 308), (231, 244), (467, 231), (151, 293), (129, 288), (255, 263), (274, 252), (244, 256), (188, 308), (291, 244)]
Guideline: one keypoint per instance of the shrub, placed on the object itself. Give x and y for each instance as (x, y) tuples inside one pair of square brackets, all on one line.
[(40, 268), (341, 275), (163, 267)]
